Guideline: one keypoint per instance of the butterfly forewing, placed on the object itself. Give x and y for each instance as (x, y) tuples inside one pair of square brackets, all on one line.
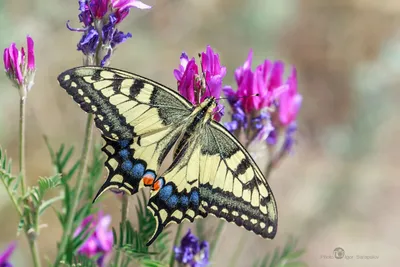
[(139, 119)]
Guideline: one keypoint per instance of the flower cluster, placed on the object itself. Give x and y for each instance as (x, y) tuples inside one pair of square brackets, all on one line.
[(100, 34), (195, 87), (192, 252), (5, 256), (100, 241), (264, 106), (20, 68)]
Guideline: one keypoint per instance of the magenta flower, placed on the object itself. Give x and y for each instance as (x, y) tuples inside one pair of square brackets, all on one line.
[(289, 101), (264, 102), (101, 240), (19, 68), (188, 79), (100, 33), (196, 88), (5, 256), (122, 7)]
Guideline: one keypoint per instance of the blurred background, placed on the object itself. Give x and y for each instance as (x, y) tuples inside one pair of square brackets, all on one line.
[(341, 186)]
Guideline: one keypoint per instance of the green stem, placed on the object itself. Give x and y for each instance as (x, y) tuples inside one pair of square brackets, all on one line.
[(124, 216), (31, 237), (176, 240), (35, 253), (79, 186), (22, 110), (239, 249), (10, 194), (218, 232)]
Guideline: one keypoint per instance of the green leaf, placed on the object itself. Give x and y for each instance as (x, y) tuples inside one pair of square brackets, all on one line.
[(46, 184), (152, 263), (48, 203), (5, 171)]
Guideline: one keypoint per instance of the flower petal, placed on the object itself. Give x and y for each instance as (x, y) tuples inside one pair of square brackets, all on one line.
[(31, 53), (4, 257)]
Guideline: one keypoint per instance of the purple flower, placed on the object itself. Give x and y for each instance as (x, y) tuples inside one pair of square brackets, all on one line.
[(101, 239), (192, 252), (5, 256), (100, 33), (19, 68), (197, 88), (289, 140), (89, 42)]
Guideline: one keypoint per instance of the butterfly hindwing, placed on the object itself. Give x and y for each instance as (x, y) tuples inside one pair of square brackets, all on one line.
[(139, 119), (178, 198), (232, 186), (214, 174)]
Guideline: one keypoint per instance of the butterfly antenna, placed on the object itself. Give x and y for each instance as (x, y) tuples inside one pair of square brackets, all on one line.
[(246, 96)]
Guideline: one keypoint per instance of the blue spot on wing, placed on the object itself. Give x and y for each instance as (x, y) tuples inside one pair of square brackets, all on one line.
[(184, 201), (124, 153), (165, 192), (194, 198), (172, 201), (123, 143), (127, 165), (138, 170)]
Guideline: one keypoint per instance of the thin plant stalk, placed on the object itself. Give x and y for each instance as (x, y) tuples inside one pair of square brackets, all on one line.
[(217, 234), (124, 217), (22, 110), (176, 240), (239, 249), (31, 238), (79, 186)]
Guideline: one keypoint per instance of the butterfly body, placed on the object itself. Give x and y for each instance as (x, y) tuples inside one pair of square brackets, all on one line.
[(142, 121)]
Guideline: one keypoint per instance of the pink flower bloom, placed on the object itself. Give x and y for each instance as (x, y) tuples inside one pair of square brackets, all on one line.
[(100, 241), (18, 69), (213, 73), (122, 7), (186, 76), (264, 104), (197, 88), (31, 53), (289, 101), (5, 256), (13, 59)]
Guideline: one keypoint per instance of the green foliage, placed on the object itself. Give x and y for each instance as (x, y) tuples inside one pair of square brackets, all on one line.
[(61, 159), (289, 257), (132, 243), (147, 224), (7, 178)]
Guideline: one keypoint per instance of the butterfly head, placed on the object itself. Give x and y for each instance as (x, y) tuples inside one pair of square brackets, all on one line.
[(208, 104)]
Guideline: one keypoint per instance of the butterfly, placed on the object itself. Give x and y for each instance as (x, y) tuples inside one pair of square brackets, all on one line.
[(143, 121)]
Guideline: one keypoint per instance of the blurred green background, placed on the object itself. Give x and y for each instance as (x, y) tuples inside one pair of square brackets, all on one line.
[(340, 188)]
